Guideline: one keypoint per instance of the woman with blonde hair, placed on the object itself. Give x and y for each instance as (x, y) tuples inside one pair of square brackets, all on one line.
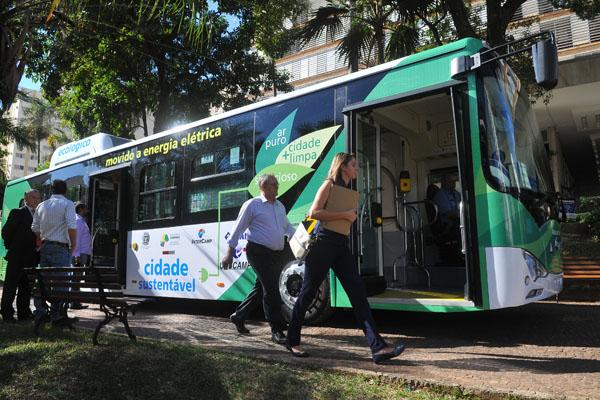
[(331, 250)]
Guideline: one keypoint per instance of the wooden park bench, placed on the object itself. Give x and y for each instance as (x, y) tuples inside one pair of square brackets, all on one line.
[(93, 285)]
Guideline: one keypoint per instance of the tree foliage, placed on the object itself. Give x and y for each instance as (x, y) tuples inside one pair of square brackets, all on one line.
[(106, 65), (20, 20), (105, 68), (586, 9)]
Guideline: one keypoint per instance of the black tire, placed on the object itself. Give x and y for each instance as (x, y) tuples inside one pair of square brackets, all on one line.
[(290, 283)]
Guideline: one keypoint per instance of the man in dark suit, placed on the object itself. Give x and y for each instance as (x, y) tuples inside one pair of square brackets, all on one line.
[(22, 253)]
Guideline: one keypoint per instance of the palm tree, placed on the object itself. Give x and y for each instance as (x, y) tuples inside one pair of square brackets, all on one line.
[(38, 125), (366, 24)]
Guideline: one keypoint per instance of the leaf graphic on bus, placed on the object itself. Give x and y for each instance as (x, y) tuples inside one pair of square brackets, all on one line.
[(274, 143), (306, 149), (287, 175)]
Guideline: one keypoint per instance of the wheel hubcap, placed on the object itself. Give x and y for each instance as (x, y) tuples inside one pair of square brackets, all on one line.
[(290, 283)]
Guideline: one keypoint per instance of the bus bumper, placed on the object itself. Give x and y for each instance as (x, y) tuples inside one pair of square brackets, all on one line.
[(511, 282)]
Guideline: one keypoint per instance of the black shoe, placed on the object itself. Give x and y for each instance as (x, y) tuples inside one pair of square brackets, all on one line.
[(77, 306), (278, 337), (381, 357), (239, 324), (301, 354), (9, 319)]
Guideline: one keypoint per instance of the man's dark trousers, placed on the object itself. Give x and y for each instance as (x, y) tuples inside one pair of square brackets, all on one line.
[(267, 265), (20, 243), (250, 303)]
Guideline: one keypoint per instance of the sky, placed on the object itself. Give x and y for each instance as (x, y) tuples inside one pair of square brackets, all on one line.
[(27, 83)]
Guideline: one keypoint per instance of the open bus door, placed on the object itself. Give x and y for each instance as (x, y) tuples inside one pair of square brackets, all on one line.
[(109, 217), (394, 141)]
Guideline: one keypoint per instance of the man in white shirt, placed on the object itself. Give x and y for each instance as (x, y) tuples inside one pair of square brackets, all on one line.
[(266, 221), (55, 224)]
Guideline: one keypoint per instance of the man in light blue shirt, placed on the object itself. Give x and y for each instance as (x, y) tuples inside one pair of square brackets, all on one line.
[(265, 219), (448, 200), (82, 253), (55, 224)]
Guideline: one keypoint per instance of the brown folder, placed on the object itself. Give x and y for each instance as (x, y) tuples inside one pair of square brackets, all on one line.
[(340, 199)]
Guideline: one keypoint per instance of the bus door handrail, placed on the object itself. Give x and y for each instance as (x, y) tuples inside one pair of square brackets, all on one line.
[(416, 228)]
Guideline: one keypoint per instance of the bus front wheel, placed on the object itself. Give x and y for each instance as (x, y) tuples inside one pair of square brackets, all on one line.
[(290, 283)]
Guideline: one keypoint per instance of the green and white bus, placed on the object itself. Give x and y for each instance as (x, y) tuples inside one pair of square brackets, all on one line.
[(162, 206)]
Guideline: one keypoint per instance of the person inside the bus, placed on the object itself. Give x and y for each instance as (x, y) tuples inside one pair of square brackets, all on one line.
[(447, 200), (266, 220)]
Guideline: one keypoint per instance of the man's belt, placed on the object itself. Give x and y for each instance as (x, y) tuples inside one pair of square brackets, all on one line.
[(65, 245), (261, 246)]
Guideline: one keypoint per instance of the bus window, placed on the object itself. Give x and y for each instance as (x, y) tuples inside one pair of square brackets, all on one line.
[(203, 198), (214, 173), (225, 161), (157, 192)]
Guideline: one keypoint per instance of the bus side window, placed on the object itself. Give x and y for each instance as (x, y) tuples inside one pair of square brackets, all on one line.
[(158, 192), (218, 176)]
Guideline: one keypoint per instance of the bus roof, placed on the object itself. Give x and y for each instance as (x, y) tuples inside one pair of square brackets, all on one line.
[(471, 44)]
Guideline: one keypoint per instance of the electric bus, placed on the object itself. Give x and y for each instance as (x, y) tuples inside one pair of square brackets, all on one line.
[(162, 207)]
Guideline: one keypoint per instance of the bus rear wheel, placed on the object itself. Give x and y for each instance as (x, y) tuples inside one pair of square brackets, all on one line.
[(290, 283)]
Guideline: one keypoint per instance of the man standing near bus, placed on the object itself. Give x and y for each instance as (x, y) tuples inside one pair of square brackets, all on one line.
[(55, 224), (22, 253), (266, 221), (82, 252)]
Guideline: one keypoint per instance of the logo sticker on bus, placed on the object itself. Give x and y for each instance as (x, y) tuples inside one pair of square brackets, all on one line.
[(201, 239)]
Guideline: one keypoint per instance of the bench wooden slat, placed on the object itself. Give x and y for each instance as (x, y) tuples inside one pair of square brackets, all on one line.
[(86, 285), (62, 294), (78, 277), (102, 270)]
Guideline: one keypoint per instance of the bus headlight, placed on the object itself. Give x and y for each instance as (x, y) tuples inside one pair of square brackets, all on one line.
[(534, 266)]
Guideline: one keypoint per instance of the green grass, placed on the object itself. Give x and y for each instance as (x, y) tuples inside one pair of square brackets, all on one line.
[(65, 365)]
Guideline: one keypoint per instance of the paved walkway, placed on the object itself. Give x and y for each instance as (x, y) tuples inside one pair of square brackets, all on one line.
[(543, 350)]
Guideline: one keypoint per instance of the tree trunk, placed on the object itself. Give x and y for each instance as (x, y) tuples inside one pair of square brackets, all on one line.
[(354, 57), (499, 17), (460, 17), (497, 24), (433, 28), (145, 121), (274, 77), (13, 57), (161, 114), (39, 140), (380, 40)]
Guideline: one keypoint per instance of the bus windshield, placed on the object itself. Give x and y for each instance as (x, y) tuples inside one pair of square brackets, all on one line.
[(516, 160)]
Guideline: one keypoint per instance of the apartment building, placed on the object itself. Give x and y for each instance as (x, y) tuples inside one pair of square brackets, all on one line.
[(570, 122), (21, 161)]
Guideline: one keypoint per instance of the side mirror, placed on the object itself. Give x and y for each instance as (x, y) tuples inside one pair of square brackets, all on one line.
[(545, 63)]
